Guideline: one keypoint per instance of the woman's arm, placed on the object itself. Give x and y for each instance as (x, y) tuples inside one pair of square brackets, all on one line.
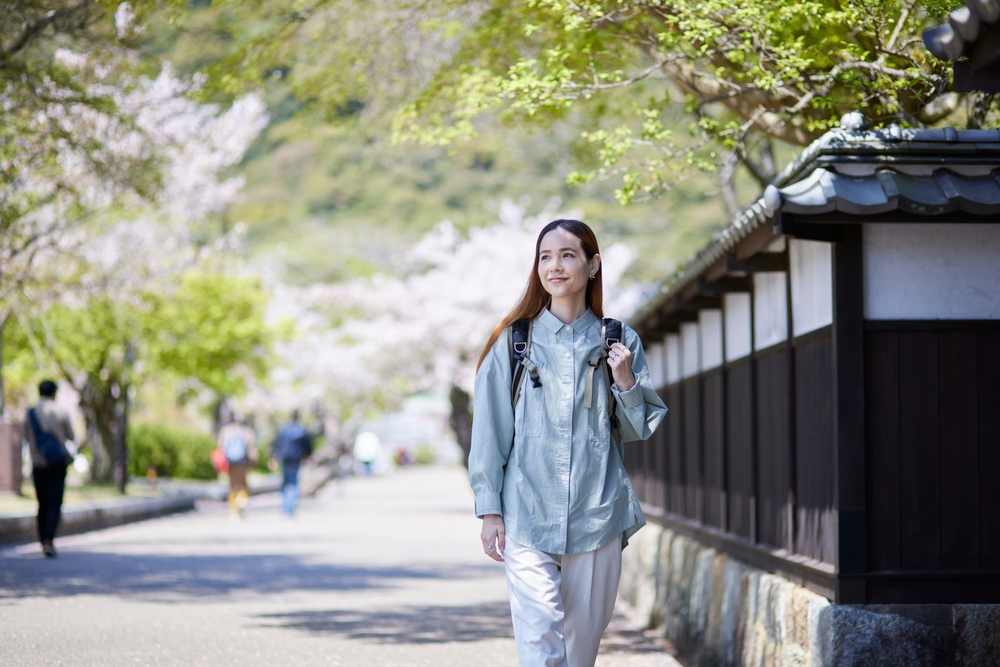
[(492, 429), (640, 409)]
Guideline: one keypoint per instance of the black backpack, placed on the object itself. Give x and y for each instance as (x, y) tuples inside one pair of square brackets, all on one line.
[(519, 346), (47, 444)]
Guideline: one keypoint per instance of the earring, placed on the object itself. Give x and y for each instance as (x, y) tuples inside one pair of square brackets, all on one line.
[(593, 276)]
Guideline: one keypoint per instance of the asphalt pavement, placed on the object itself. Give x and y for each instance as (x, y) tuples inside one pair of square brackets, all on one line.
[(380, 571)]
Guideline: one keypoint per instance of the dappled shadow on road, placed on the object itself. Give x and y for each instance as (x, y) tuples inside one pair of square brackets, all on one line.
[(403, 625), (174, 577), (626, 643)]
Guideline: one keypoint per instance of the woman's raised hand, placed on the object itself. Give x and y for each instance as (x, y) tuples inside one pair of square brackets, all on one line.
[(620, 360), (493, 536)]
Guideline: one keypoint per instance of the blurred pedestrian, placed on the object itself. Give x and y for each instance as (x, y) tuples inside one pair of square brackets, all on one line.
[(367, 451), (548, 471), (292, 445), (238, 442), (50, 441)]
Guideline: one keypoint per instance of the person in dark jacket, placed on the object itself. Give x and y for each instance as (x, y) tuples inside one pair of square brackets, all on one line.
[(48, 420), (292, 445)]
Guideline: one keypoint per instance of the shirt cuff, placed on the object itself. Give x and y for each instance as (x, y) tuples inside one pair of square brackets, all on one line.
[(488, 502), (630, 398)]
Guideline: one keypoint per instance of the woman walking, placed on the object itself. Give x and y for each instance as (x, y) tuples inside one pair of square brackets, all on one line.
[(550, 484)]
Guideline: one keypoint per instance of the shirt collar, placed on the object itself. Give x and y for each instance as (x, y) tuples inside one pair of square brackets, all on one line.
[(552, 323)]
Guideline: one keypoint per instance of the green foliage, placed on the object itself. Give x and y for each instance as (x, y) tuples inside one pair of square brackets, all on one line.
[(210, 328), (325, 174), (171, 452), (745, 73)]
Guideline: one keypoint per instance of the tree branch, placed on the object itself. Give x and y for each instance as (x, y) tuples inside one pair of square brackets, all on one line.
[(31, 29)]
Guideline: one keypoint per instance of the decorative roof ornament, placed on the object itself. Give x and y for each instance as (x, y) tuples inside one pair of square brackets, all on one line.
[(853, 121)]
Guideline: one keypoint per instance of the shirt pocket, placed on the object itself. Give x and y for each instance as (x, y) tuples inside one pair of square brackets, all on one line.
[(529, 408)]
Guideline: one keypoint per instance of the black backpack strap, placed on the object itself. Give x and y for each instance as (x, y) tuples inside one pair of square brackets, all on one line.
[(611, 333), (519, 346)]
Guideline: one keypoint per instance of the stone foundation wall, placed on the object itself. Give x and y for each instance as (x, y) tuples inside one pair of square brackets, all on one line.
[(720, 612)]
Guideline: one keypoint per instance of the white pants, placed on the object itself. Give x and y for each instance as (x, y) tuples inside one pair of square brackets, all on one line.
[(561, 604)]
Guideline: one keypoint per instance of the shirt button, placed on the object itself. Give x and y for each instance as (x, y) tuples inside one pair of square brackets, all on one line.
[(565, 435), (567, 355), (560, 519)]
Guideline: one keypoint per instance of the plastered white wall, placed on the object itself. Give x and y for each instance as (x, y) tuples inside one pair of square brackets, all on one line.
[(739, 337), (690, 352), (710, 329), (811, 268), (673, 360), (931, 271), (654, 359), (770, 309)]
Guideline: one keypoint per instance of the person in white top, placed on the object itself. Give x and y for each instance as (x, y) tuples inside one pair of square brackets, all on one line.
[(50, 435)]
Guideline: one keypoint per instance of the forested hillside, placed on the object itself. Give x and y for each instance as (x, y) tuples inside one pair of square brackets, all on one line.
[(327, 199)]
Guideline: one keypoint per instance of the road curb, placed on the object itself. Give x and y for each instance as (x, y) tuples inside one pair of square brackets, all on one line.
[(21, 527)]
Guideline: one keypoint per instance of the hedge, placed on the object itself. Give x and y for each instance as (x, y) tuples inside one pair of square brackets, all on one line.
[(171, 452)]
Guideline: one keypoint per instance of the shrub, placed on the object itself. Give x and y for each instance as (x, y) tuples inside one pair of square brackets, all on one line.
[(423, 456), (170, 451)]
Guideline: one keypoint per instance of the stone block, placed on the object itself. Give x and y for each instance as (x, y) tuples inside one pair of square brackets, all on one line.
[(854, 637), (817, 604), (647, 560), (662, 579), (679, 588), (701, 595), (628, 584), (732, 604), (713, 627), (977, 635)]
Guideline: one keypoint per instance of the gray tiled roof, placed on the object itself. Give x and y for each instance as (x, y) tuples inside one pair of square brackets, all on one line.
[(966, 25), (923, 172), (942, 191)]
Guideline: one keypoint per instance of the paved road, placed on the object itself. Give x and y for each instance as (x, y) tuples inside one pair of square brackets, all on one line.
[(374, 572)]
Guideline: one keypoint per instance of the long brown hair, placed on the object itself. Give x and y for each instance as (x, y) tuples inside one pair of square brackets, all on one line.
[(535, 298)]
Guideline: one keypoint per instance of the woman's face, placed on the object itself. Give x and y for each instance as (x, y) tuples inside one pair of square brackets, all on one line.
[(563, 267)]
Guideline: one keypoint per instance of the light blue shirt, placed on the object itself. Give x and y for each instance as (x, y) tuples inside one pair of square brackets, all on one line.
[(549, 466)]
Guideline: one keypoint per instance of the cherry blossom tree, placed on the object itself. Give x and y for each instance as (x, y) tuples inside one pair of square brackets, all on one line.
[(366, 344), (104, 293)]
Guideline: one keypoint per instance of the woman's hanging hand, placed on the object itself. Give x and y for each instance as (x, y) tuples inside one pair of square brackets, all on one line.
[(493, 536), (620, 360)]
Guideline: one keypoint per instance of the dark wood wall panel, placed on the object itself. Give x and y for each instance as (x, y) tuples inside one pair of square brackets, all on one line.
[(773, 456), (959, 443), (650, 449), (713, 437), (660, 467), (882, 435), (920, 456), (692, 449), (988, 365), (642, 469), (814, 459), (933, 447), (675, 450), (740, 450)]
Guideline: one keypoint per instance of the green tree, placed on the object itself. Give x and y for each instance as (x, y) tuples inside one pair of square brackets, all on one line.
[(207, 328), (747, 73), (212, 329)]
